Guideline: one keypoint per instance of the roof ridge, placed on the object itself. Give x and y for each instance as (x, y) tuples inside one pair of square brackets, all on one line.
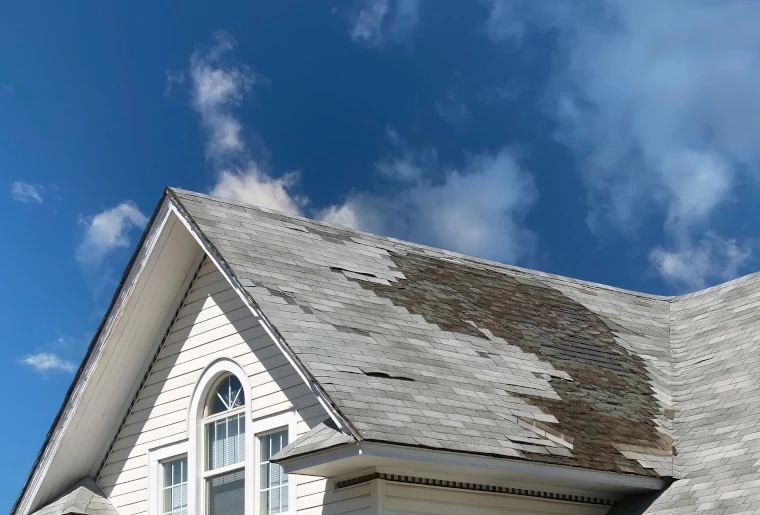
[(503, 267)]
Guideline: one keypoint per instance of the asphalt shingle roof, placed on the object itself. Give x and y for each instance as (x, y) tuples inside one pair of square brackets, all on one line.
[(425, 347), (84, 498)]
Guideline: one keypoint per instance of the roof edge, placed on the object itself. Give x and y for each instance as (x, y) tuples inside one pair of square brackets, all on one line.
[(117, 299)]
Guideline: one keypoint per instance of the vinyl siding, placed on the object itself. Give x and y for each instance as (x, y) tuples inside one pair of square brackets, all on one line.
[(403, 499), (213, 323), (317, 497)]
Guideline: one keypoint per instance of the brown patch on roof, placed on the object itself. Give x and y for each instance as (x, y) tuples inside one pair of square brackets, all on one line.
[(608, 402)]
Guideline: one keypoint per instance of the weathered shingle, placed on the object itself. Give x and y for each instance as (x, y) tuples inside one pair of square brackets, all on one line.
[(323, 436), (425, 347), (84, 498)]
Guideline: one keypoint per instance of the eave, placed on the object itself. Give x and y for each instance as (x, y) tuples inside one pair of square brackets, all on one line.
[(349, 460)]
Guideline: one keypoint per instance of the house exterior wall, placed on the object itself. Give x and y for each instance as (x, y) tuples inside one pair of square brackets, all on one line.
[(318, 497), (213, 323), (401, 499)]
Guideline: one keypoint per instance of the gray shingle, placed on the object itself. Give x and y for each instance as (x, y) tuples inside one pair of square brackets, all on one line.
[(427, 347), (84, 498)]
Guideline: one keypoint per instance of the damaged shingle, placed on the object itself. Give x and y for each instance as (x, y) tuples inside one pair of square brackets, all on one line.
[(353, 330)]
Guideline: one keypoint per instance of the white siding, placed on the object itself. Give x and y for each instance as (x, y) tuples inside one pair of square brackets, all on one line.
[(213, 323), (317, 497), (403, 499)]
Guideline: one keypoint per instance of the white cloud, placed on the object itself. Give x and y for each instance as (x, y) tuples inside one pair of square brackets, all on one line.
[(107, 231), (253, 186), (48, 362), (218, 86), (693, 267), (24, 192), (477, 210), (380, 22), (660, 102)]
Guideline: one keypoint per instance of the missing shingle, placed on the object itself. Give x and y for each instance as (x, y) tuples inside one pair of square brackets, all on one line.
[(387, 376), (288, 296), (343, 270), (384, 375), (295, 227), (484, 354), (306, 309), (354, 330)]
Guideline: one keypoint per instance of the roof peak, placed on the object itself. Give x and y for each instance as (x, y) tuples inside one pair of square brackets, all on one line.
[(443, 253)]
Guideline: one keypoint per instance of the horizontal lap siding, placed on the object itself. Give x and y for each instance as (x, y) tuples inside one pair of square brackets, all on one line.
[(213, 323), (316, 496), (421, 500)]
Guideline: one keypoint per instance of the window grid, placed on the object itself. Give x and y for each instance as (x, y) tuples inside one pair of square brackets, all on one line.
[(225, 441), (273, 485), (175, 487)]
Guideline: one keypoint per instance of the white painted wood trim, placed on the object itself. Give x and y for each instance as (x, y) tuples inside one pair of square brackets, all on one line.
[(344, 426), (195, 487), (378, 496), (265, 425), (445, 460), (155, 457), (123, 295)]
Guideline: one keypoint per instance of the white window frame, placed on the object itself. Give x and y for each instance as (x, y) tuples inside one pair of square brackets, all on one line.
[(263, 427), (156, 459), (196, 487)]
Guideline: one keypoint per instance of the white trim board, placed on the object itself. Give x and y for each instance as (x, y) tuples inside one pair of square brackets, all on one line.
[(155, 457), (354, 458)]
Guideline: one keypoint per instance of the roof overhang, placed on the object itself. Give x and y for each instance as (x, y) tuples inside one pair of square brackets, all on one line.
[(95, 404), (358, 458)]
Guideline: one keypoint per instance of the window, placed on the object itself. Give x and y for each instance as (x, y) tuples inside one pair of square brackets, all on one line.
[(169, 477), (228, 450), (273, 482), (224, 429), (174, 487)]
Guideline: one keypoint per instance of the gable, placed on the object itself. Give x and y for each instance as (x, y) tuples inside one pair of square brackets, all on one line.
[(173, 313), (213, 324)]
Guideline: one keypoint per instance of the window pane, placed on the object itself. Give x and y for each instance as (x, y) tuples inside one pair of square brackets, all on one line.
[(175, 487), (226, 441), (228, 395), (273, 485), (226, 494)]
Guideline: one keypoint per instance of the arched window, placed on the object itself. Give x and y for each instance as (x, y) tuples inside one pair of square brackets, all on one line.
[(228, 451), (224, 442)]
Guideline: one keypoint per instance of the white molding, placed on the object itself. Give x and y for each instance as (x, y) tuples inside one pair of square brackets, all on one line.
[(287, 420), (195, 490), (378, 496), (344, 426), (448, 458), (155, 457), (67, 412), (404, 458)]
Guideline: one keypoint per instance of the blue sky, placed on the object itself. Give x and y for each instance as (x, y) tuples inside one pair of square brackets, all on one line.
[(608, 140)]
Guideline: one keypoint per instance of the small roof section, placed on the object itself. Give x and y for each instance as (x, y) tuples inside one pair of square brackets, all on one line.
[(84, 498), (323, 436)]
